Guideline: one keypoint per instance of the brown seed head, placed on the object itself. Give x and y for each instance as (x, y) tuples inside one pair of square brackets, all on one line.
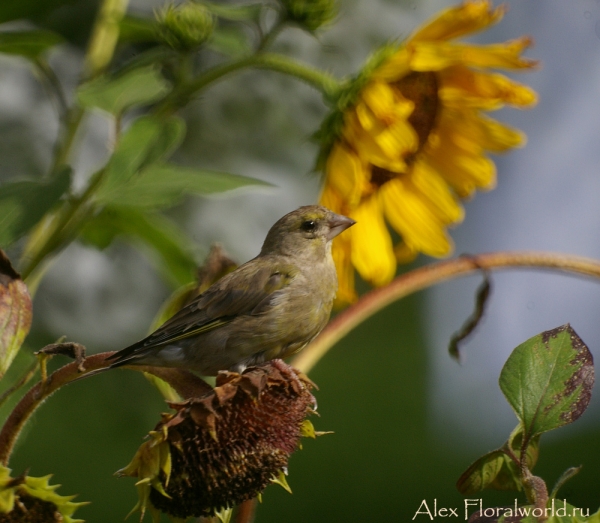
[(228, 445)]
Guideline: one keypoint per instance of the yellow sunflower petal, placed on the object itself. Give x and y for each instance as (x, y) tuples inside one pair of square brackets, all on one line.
[(372, 249), (394, 67), (495, 136), (426, 56), (473, 132), (470, 17), (345, 272), (407, 212), (459, 84), (385, 102), (384, 147), (464, 170), (404, 253), (436, 193), (331, 199), (346, 174)]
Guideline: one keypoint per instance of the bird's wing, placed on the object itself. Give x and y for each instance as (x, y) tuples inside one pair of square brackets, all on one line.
[(246, 291)]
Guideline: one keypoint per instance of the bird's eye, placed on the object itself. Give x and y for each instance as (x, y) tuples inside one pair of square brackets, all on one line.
[(308, 225)]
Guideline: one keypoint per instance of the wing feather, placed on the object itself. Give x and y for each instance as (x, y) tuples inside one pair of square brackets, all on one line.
[(248, 290)]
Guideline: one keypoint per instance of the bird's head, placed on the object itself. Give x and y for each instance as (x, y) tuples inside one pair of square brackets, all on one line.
[(303, 231)]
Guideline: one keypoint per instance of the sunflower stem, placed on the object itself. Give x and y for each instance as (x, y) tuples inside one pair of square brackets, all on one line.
[(320, 80), (430, 275), (246, 511)]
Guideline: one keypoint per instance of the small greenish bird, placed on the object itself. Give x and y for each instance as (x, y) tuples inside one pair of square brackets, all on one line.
[(270, 307)]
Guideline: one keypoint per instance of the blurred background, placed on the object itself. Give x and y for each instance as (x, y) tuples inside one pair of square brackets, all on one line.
[(407, 419)]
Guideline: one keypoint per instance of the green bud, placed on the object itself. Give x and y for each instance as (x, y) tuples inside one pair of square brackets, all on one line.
[(310, 14), (185, 26)]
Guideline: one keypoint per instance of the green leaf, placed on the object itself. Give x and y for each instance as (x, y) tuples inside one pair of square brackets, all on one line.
[(29, 44), (135, 29), (24, 203), (163, 185), (148, 140), (496, 470), (594, 518), (15, 313), (171, 249), (548, 380), (140, 86)]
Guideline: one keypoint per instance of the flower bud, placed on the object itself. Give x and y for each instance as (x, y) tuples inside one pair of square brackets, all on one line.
[(310, 14), (186, 26)]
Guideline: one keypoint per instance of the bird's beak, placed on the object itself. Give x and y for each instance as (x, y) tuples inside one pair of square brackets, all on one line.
[(337, 224)]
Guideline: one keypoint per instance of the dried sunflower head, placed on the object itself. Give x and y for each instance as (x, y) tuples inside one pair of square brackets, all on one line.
[(225, 447)]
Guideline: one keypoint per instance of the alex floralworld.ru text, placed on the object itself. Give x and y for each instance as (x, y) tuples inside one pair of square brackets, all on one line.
[(429, 510)]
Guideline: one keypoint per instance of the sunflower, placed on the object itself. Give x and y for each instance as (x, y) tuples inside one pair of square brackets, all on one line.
[(409, 139)]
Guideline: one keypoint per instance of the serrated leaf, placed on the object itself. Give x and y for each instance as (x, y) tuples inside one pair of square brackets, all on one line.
[(29, 44), (495, 470), (140, 86), (15, 313), (163, 185), (170, 247), (548, 380), (24, 203), (148, 140)]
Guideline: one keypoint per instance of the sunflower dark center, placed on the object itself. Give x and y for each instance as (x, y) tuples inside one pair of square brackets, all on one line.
[(379, 175), (422, 89)]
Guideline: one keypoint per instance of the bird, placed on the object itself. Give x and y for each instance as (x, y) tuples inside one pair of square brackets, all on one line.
[(268, 308)]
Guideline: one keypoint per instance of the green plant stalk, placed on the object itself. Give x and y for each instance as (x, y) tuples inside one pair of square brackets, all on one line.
[(320, 80), (104, 37), (101, 48), (267, 40), (63, 229), (429, 275)]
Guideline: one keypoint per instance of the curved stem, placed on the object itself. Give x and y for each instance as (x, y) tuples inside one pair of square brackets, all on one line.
[(36, 396), (183, 381), (318, 79), (187, 384), (424, 277)]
